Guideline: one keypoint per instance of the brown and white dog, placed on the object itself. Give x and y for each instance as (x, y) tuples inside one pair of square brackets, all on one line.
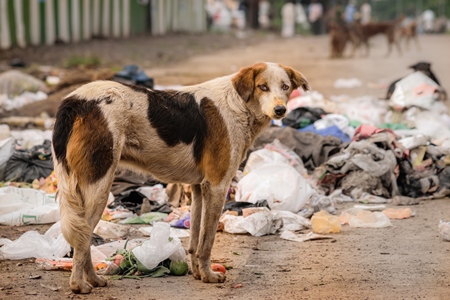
[(198, 135), (361, 33)]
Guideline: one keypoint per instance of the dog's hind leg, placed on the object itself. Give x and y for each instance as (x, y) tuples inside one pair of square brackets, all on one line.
[(75, 228), (78, 223), (213, 200), (196, 217), (96, 197)]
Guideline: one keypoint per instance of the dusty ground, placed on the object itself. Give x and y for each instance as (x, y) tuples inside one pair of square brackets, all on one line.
[(406, 261)]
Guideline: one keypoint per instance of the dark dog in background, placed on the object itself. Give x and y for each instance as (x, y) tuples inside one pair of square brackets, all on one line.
[(339, 35), (361, 33), (423, 67)]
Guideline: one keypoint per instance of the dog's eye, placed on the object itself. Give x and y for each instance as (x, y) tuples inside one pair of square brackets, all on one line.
[(285, 87), (263, 88)]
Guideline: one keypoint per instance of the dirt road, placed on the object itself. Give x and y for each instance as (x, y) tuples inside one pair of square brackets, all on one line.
[(406, 261)]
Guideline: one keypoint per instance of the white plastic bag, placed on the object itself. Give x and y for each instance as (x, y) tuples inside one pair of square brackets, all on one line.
[(178, 232), (290, 221), (292, 158), (347, 83), (22, 206), (109, 230), (257, 224), (263, 157), (32, 244), (156, 193), (280, 184), (416, 89), (295, 237), (431, 124), (31, 137), (356, 217), (159, 247), (444, 230), (338, 120), (6, 150)]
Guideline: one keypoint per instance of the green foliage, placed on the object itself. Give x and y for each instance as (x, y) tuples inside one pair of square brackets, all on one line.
[(77, 61), (384, 10)]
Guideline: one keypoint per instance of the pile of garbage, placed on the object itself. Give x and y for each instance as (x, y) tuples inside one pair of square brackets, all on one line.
[(383, 156)]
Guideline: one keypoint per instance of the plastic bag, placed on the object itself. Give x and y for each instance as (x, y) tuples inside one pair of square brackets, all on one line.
[(416, 89), (263, 157), (108, 230), (363, 218), (159, 247), (412, 142), (28, 165), (22, 206), (290, 221), (156, 193), (323, 222), (398, 213), (335, 120), (432, 124), (174, 232), (292, 158), (257, 224), (280, 184), (347, 83), (29, 138), (15, 83), (32, 244), (444, 230), (310, 236), (6, 150)]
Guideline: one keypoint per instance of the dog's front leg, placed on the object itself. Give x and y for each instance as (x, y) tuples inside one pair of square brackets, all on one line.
[(213, 200), (196, 217)]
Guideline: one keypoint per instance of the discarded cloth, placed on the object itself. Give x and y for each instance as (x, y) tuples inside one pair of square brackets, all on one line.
[(328, 131), (303, 116), (312, 148)]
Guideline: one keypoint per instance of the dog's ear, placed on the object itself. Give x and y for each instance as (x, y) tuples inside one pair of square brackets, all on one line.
[(297, 78), (244, 82)]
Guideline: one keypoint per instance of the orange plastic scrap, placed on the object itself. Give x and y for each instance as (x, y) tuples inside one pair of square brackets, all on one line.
[(64, 264), (100, 266), (398, 213)]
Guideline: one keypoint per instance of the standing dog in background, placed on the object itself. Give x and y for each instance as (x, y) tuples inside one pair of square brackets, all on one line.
[(198, 135), (361, 33)]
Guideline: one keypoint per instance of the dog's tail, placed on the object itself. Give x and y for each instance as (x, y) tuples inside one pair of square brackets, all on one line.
[(75, 228)]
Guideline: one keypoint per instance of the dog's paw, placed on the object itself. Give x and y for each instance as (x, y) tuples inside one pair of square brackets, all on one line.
[(195, 269), (197, 275), (96, 281), (81, 287), (214, 277)]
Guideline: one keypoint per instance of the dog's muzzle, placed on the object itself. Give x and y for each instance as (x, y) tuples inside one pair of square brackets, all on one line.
[(279, 110)]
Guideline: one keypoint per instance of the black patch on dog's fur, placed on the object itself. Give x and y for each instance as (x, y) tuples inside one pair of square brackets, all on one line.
[(98, 151), (69, 109), (177, 118)]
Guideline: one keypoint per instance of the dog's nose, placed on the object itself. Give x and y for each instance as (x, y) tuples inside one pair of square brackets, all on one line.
[(279, 110)]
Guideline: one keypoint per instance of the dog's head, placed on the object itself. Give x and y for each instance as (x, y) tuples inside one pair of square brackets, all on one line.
[(266, 87)]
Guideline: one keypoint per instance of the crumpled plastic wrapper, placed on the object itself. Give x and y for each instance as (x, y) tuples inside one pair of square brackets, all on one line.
[(444, 230)]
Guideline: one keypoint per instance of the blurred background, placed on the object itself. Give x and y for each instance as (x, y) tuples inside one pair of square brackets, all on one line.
[(37, 22)]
